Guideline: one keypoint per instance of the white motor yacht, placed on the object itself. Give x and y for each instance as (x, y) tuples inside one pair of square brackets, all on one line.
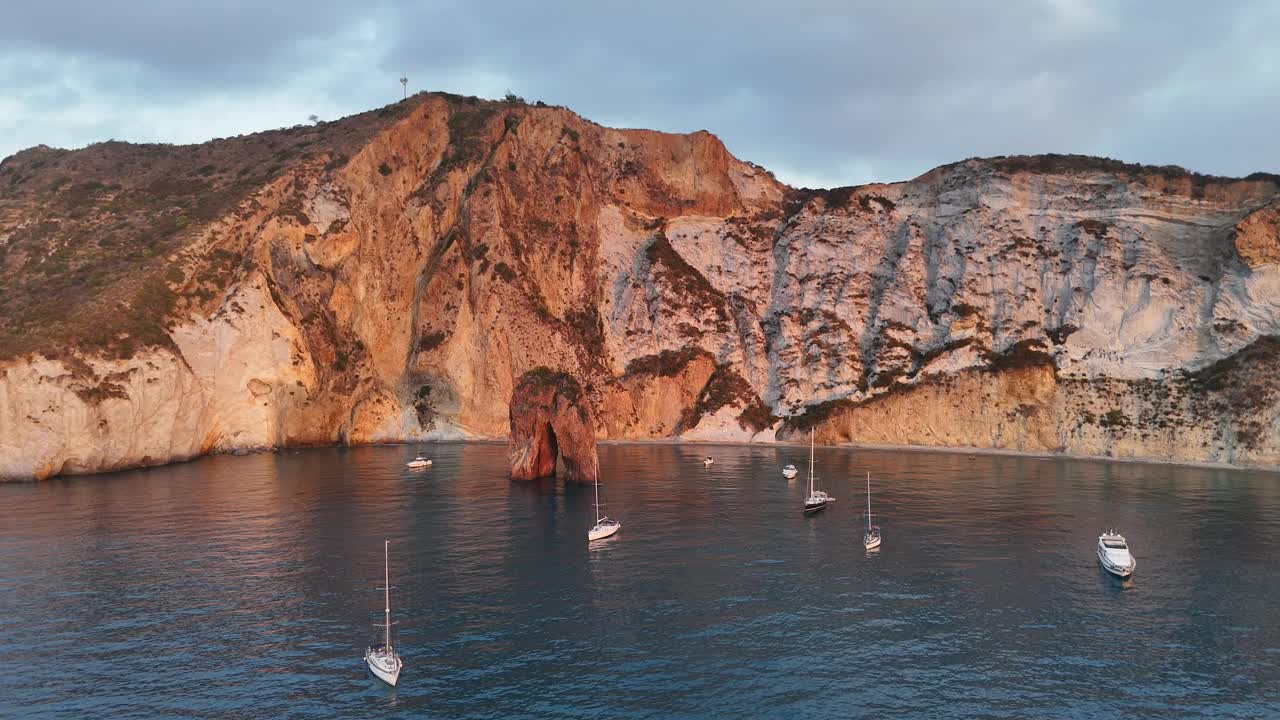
[(1114, 556), (789, 472), (708, 462), (418, 462)]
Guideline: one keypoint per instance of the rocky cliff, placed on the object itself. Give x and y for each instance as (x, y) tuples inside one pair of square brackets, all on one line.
[(392, 275)]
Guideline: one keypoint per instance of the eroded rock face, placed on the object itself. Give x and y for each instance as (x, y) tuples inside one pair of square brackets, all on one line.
[(1257, 237), (551, 419), (396, 283)]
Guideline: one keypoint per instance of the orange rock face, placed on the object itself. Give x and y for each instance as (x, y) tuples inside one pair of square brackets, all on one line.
[(551, 420), (1257, 237)]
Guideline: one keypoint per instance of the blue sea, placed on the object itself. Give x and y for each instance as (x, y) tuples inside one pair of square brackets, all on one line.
[(247, 587)]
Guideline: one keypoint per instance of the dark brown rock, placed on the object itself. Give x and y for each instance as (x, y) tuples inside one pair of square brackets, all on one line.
[(550, 418)]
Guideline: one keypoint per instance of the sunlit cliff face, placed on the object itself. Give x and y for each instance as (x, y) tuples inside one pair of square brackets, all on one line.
[(391, 276)]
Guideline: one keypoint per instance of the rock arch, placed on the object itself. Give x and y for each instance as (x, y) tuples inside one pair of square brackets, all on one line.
[(551, 419)]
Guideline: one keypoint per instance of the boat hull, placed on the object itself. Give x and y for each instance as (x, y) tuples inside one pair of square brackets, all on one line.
[(599, 534), (386, 672), (815, 507), (871, 544), (388, 677), (789, 474), (1124, 573)]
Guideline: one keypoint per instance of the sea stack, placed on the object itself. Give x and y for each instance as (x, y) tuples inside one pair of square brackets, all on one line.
[(551, 417)]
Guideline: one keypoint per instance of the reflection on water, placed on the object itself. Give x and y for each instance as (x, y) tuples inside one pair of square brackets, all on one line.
[(248, 586)]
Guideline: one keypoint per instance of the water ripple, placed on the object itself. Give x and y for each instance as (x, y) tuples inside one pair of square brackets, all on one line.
[(246, 587)]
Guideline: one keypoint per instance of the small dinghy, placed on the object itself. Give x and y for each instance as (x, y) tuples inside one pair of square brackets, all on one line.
[(382, 658), (418, 462), (870, 538), (605, 526), (817, 499), (789, 472), (708, 462), (1113, 555)]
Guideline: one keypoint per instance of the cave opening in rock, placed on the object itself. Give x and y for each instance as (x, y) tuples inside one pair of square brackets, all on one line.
[(552, 448), (550, 425)]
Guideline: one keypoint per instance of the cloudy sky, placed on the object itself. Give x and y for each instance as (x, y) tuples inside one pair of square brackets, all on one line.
[(823, 93)]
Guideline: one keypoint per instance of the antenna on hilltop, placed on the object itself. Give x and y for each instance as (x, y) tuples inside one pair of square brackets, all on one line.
[(405, 82)]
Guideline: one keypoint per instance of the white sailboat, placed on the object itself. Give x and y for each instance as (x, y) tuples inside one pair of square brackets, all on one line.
[(381, 657), (817, 499), (871, 538), (605, 526)]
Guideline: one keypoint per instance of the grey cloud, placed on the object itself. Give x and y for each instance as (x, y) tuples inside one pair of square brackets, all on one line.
[(830, 92), (216, 45)]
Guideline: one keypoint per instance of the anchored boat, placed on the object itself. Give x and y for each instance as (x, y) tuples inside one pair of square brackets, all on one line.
[(382, 658), (870, 538), (1114, 556), (817, 499), (605, 526)]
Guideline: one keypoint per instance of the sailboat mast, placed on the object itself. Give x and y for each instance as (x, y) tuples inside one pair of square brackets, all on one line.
[(386, 586), (810, 461), (597, 487), (868, 501)]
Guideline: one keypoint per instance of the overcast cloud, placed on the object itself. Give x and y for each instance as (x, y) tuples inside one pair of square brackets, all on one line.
[(822, 93)]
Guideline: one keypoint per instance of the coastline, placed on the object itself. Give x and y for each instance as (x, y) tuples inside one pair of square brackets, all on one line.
[(958, 450), (873, 447)]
